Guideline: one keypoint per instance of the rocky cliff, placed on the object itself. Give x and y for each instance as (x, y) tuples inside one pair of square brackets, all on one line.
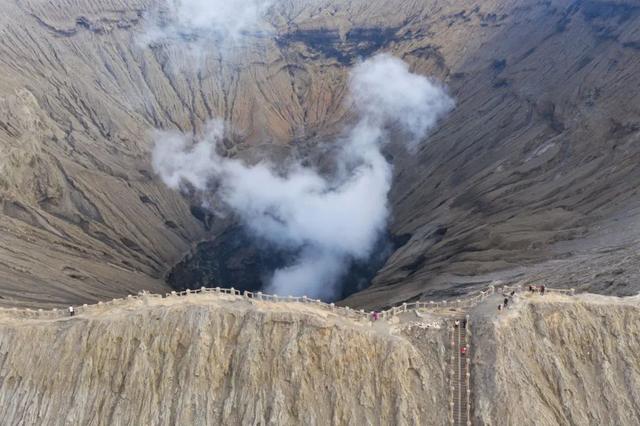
[(557, 360), (205, 360), (211, 359)]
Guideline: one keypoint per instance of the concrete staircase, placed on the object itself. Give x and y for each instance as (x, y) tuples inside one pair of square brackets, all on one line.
[(460, 375)]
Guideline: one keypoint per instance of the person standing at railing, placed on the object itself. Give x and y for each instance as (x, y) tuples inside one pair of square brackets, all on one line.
[(72, 312), (542, 290)]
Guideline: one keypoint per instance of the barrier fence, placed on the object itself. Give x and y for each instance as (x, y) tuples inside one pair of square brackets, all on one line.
[(467, 301)]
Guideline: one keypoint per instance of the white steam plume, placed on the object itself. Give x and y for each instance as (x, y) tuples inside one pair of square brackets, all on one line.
[(222, 20), (328, 221)]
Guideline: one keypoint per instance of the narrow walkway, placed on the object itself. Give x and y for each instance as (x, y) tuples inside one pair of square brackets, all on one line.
[(460, 374)]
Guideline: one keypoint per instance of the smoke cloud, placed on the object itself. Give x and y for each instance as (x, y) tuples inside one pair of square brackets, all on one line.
[(328, 221), (221, 20)]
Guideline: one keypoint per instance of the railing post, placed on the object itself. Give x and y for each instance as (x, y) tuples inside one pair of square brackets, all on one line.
[(404, 307)]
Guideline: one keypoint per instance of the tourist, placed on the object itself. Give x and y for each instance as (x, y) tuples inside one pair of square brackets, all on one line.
[(71, 311), (542, 290)]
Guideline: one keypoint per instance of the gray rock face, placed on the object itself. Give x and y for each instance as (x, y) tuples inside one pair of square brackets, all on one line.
[(533, 176)]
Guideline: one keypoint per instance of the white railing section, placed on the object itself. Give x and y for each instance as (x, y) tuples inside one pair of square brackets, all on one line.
[(468, 301)]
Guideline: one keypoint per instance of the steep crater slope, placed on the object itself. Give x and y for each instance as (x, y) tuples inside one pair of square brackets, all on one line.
[(534, 176), (538, 161), (83, 217)]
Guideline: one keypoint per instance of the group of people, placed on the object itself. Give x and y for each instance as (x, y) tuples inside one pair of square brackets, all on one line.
[(533, 289), (463, 324), (457, 323), (505, 302)]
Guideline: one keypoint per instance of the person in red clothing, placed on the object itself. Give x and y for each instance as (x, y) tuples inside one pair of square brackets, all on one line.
[(463, 350)]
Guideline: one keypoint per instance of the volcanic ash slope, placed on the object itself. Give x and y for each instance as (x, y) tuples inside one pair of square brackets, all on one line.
[(202, 360), (557, 360)]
